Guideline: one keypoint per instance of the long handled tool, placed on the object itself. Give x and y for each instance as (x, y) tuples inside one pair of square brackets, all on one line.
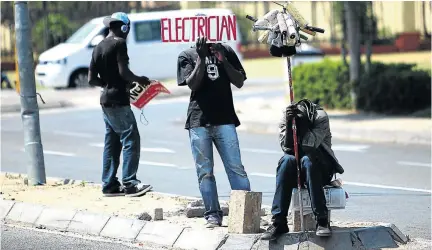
[(281, 22)]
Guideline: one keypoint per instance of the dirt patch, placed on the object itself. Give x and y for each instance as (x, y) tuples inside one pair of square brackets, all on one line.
[(88, 197)]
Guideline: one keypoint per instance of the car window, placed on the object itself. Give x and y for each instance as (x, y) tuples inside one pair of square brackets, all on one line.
[(147, 31)]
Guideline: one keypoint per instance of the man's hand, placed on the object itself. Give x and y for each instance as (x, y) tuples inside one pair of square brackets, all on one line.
[(218, 50), (202, 47), (144, 81), (291, 111)]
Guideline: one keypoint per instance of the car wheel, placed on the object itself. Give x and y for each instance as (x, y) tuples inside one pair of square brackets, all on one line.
[(79, 80)]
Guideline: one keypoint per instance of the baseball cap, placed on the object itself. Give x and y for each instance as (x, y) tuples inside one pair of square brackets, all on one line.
[(116, 17)]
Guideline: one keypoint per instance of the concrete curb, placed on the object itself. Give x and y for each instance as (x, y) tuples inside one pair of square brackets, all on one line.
[(352, 134), (170, 236)]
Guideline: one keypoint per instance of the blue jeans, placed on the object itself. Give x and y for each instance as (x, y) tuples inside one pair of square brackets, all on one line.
[(121, 132), (315, 176), (226, 141)]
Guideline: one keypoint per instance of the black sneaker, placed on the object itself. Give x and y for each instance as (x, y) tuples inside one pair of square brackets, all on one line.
[(323, 229), (114, 192), (138, 190), (273, 232)]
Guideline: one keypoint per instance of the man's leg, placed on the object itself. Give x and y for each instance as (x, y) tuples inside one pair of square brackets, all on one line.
[(286, 175), (124, 124), (227, 144), (315, 173), (111, 161), (202, 152)]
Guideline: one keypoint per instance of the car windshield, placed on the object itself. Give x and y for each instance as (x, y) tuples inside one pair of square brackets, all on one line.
[(82, 33)]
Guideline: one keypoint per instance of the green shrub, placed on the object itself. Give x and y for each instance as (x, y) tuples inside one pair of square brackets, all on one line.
[(388, 88), (326, 80)]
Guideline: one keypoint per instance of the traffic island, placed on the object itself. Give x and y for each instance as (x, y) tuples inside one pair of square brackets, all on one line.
[(78, 207)]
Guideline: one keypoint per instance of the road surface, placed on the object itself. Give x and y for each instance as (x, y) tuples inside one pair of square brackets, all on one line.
[(17, 238), (386, 182)]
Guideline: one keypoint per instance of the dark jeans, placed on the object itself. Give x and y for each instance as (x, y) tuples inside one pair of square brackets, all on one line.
[(315, 176), (121, 132)]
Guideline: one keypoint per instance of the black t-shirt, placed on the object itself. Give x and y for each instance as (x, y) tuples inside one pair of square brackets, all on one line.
[(212, 104), (105, 58)]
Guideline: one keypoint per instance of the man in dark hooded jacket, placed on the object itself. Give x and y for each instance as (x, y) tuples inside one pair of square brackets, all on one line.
[(317, 161)]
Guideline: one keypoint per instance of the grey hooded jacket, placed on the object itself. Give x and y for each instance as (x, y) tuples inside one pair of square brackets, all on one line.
[(317, 138)]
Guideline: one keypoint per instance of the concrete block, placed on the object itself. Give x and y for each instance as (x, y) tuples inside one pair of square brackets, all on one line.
[(122, 228), (396, 233), (88, 223), (200, 239), (308, 220), (198, 211), (24, 213), (5, 207), (53, 218), (376, 238), (162, 233), (239, 242), (158, 214), (245, 212)]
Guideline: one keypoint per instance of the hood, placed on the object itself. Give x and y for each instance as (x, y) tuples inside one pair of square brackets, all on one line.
[(60, 51)]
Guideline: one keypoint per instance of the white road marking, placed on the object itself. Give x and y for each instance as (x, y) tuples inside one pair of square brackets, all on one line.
[(158, 150), (350, 148), (417, 164), (49, 152), (262, 151), (161, 164), (74, 134), (154, 150), (359, 184)]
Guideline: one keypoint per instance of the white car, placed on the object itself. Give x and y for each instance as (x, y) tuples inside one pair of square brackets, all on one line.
[(66, 65)]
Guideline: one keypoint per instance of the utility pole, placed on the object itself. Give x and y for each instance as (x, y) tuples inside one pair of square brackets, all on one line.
[(29, 105)]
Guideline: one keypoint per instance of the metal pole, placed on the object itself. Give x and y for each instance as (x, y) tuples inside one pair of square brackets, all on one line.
[(296, 153), (29, 105)]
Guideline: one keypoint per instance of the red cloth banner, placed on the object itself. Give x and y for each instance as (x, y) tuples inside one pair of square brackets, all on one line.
[(141, 95)]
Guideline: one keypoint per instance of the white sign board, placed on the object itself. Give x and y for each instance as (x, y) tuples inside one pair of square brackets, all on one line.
[(218, 28)]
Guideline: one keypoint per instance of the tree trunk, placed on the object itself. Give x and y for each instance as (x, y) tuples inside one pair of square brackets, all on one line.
[(344, 38), (426, 33), (353, 30), (369, 40)]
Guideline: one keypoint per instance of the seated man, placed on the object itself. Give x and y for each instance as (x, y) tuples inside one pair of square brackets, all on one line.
[(318, 165)]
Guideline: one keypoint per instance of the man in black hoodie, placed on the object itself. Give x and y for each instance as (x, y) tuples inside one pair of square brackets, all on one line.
[(317, 161)]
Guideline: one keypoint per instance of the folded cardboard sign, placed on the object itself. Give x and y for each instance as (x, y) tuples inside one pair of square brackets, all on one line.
[(217, 28), (141, 95)]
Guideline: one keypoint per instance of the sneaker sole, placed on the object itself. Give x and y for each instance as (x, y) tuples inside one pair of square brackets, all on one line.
[(142, 192), (324, 234), (114, 195)]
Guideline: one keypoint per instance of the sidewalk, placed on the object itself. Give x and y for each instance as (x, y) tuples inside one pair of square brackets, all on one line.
[(89, 97), (263, 116), (78, 207)]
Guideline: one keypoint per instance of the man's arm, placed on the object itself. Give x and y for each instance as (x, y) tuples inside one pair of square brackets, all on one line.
[(189, 75), (93, 78), (234, 68), (123, 62), (284, 134), (316, 135)]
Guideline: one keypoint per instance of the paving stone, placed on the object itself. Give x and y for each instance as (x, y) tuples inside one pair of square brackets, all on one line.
[(122, 228), (88, 223), (5, 207), (396, 233), (239, 242), (200, 239), (376, 238), (54, 218), (24, 213), (162, 233), (158, 214)]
